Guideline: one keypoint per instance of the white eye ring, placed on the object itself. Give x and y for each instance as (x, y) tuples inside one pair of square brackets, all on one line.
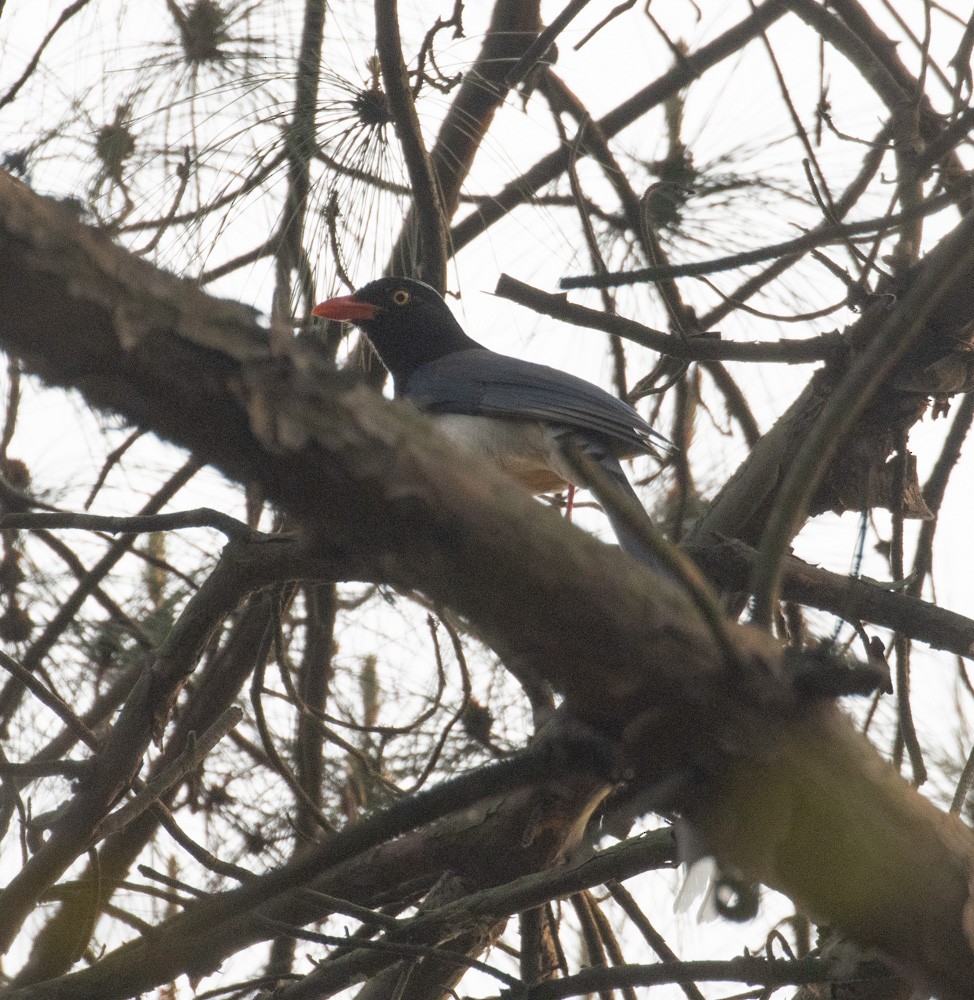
[(401, 297)]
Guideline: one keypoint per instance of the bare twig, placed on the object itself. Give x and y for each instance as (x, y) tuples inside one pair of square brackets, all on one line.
[(824, 235), (201, 517), (652, 937), (63, 19), (690, 348), (50, 699), (192, 756), (552, 166)]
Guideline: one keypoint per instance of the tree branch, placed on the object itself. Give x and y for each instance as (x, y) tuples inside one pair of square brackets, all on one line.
[(557, 306), (427, 218)]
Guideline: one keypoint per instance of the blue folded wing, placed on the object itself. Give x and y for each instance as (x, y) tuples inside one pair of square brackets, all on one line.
[(478, 382)]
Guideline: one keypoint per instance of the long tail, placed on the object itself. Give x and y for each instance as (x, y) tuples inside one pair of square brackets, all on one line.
[(608, 465), (628, 539)]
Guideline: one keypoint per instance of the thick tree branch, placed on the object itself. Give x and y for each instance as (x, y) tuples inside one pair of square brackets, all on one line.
[(730, 564)]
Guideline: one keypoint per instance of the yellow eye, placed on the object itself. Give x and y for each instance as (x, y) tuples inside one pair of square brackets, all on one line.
[(401, 297)]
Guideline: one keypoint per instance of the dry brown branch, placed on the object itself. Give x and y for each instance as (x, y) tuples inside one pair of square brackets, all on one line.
[(730, 564), (827, 346)]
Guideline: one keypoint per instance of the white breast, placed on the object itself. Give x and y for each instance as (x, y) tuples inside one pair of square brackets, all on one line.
[(525, 449)]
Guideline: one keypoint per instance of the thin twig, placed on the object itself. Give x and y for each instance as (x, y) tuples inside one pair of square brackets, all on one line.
[(819, 236), (201, 517), (111, 460), (199, 853), (13, 405), (52, 700), (804, 351), (964, 783), (552, 166), (427, 216), (651, 936), (64, 17), (192, 756)]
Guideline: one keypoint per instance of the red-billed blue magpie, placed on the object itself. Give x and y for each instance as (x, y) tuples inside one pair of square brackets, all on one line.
[(514, 413)]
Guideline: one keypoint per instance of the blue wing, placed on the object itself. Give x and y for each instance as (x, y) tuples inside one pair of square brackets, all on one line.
[(479, 382)]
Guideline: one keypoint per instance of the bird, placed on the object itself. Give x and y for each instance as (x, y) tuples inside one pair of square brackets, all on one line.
[(513, 413)]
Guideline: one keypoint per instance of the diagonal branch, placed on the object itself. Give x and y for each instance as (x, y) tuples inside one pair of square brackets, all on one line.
[(945, 269), (689, 349)]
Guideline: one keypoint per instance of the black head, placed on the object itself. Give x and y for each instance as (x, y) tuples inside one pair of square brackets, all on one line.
[(406, 320)]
